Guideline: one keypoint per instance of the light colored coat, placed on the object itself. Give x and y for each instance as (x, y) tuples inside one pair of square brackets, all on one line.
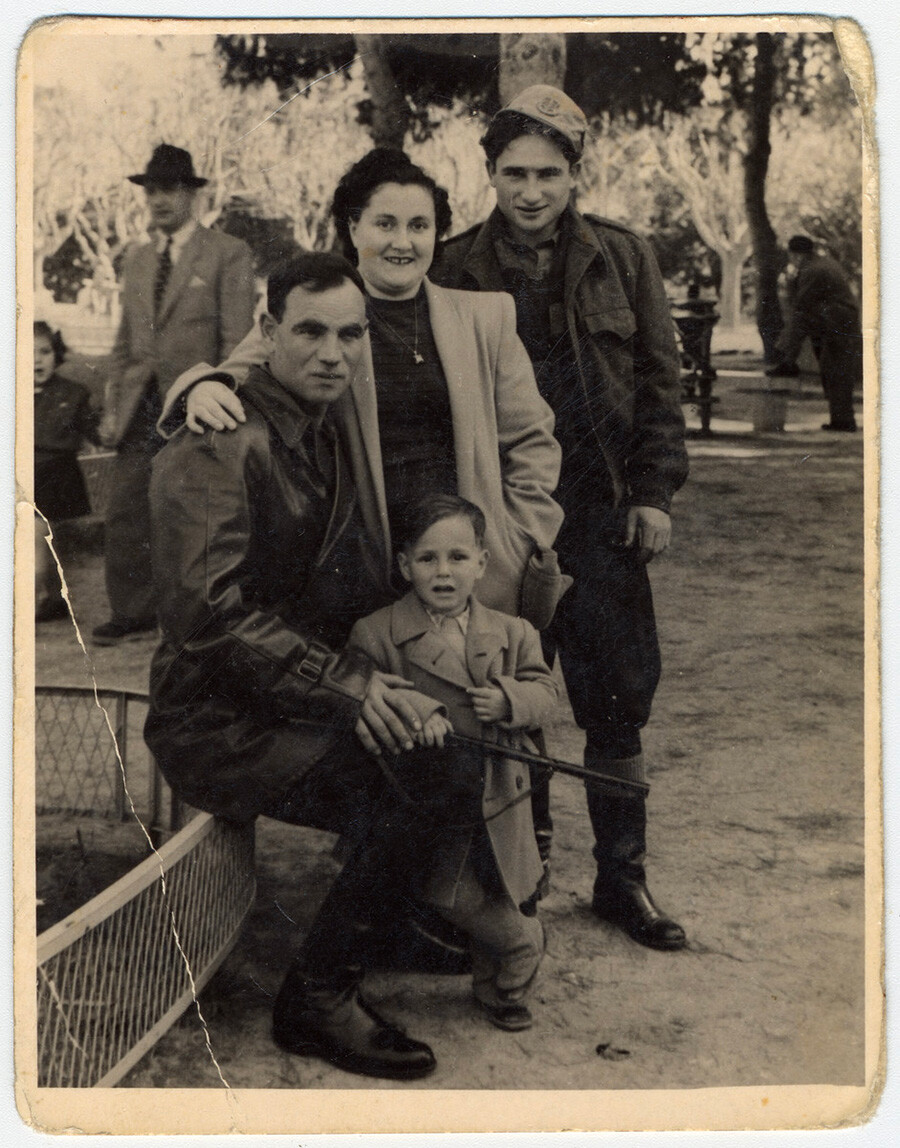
[(207, 308), (501, 651), (494, 401)]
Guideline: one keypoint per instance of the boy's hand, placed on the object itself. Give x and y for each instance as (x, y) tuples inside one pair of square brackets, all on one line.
[(434, 731), (490, 703), (212, 404)]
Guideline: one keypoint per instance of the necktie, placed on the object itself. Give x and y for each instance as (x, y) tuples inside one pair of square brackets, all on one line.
[(163, 271)]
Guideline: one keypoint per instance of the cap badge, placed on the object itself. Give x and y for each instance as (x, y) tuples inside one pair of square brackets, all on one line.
[(548, 106)]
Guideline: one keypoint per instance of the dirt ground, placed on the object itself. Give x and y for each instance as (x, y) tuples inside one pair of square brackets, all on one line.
[(756, 820)]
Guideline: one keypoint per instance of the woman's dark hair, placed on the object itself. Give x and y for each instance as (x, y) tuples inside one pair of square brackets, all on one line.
[(314, 271), (422, 515), (508, 127), (44, 330), (377, 167)]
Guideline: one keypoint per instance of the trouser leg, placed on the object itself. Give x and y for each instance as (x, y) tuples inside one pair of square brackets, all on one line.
[(841, 365), (507, 948), (129, 577), (318, 1010), (605, 634)]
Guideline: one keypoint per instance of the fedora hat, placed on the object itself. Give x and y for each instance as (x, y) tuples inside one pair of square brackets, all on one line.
[(168, 167)]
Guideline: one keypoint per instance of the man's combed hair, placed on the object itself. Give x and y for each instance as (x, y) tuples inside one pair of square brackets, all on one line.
[(508, 127), (314, 271), (380, 166), (421, 515)]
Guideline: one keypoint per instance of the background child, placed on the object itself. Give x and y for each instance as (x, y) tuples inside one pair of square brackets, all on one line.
[(486, 670), (63, 419)]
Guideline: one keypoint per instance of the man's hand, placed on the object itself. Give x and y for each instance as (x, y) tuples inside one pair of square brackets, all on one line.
[(651, 527), (213, 404), (434, 731), (490, 703), (387, 719)]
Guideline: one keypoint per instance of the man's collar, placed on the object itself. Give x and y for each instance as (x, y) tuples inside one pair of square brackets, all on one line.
[(503, 232), (440, 620), (179, 237), (278, 406)]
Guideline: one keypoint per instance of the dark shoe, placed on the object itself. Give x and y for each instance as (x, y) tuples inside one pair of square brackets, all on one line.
[(849, 428), (511, 1017), (783, 371), (351, 1036), (632, 908), (112, 633)]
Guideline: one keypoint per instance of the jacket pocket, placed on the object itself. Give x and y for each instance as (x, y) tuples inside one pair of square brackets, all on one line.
[(619, 321)]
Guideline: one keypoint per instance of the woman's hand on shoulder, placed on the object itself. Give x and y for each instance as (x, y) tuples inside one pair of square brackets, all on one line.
[(211, 403)]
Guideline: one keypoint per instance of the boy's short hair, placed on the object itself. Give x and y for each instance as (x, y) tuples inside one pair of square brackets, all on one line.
[(505, 128), (422, 515), (314, 271)]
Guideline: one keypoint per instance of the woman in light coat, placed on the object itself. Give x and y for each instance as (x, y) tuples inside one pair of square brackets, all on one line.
[(444, 400)]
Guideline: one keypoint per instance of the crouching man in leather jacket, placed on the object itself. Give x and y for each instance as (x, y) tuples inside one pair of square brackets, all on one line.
[(262, 564)]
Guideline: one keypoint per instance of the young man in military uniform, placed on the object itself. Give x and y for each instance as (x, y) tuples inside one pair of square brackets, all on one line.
[(593, 314)]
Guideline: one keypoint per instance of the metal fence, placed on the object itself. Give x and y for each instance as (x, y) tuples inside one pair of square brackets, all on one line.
[(115, 974)]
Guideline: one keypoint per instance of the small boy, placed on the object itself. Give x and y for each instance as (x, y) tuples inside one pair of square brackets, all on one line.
[(480, 673)]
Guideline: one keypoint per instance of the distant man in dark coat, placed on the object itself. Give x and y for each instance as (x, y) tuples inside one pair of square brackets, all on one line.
[(187, 295), (823, 308), (262, 565), (592, 312)]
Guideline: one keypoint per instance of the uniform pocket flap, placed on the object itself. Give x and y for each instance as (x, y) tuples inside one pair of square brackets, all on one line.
[(619, 321)]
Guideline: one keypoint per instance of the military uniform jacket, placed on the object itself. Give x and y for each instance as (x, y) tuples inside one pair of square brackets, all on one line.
[(621, 335)]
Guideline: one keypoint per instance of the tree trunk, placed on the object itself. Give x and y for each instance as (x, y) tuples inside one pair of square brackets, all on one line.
[(390, 113), (766, 255), (528, 58), (732, 263)]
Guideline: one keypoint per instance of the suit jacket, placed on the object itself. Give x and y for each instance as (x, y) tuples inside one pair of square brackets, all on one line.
[(206, 310), (621, 337), (500, 650), (494, 402)]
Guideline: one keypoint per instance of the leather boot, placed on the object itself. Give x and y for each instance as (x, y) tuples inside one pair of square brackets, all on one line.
[(319, 1010), (328, 1018), (620, 890)]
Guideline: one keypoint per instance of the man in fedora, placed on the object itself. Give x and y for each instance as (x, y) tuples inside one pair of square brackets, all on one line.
[(593, 315), (188, 296)]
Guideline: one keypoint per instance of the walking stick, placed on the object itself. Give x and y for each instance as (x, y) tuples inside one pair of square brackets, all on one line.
[(614, 785)]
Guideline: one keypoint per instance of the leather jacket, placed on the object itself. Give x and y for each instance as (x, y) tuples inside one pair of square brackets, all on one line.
[(261, 566), (622, 338)]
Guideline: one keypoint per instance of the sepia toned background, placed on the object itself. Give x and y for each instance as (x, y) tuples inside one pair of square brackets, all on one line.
[(277, 148)]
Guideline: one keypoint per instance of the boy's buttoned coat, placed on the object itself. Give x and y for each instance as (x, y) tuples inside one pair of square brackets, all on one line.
[(502, 651)]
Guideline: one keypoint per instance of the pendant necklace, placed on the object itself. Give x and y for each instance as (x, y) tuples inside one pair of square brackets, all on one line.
[(414, 351)]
